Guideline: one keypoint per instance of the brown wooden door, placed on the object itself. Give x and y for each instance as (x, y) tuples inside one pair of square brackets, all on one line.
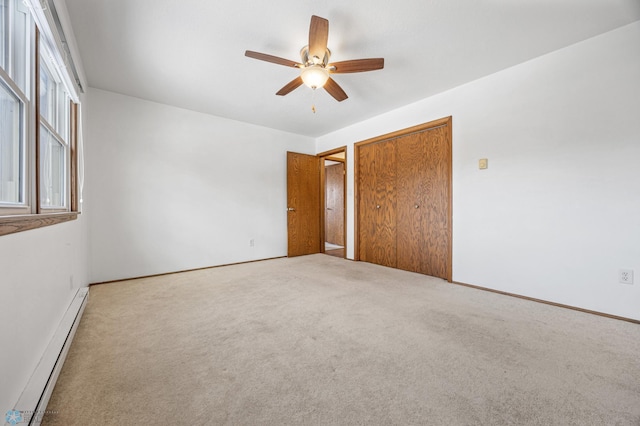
[(377, 203), (410, 151), (423, 202), (436, 200), (334, 204), (303, 204)]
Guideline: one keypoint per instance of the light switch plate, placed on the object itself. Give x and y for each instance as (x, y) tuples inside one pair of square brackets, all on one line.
[(483, 163)]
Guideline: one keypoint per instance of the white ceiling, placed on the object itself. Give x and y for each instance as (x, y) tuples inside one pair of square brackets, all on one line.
[(190, 53)]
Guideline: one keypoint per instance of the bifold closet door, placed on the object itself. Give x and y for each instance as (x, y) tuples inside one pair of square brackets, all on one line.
[(423, 199), (411, 187), (377, 203), (437, 199)]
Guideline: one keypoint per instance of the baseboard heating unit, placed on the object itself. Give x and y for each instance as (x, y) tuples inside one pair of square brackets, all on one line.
[(32, 404)]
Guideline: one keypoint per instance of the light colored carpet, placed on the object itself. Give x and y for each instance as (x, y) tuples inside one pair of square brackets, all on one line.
[(318, 340)]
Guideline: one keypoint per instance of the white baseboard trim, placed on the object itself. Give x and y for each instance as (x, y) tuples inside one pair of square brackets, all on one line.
[(32, 404)]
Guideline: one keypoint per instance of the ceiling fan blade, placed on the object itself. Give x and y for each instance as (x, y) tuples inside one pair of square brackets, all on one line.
[(334, 90), (291, 86), (357, 65), (272, 59), (318, 37)]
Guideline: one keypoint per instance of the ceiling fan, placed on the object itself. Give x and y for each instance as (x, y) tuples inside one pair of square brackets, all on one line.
[(315, 66)]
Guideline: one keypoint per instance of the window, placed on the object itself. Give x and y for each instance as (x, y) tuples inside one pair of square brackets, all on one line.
[(53, 149), (37, 137)]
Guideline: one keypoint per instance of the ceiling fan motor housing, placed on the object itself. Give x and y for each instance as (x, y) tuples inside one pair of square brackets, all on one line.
[(307, 61)]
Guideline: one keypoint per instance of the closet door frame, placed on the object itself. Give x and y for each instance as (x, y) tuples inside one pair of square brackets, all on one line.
[(443, 122)]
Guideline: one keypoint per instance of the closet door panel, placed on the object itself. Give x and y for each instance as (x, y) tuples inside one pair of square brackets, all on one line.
[(436, 200), (377, 203), (384, 248), (410, 157), (366, 202)]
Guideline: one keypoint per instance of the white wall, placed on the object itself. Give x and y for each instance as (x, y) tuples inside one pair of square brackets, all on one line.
[(557, 213), (40, 272), (173, 189)]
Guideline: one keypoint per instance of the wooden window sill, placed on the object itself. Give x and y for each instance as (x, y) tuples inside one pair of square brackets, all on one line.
[(19, 223)]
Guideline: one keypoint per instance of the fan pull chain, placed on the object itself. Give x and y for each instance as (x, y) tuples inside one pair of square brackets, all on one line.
[(313, 101)]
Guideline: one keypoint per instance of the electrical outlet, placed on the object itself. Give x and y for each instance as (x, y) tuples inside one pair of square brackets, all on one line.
[(252, 242), (626, 276)]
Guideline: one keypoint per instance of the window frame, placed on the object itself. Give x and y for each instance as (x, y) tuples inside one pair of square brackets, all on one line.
[(31, 215)]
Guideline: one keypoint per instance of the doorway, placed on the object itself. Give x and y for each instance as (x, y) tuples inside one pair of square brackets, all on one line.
[(333, 200)]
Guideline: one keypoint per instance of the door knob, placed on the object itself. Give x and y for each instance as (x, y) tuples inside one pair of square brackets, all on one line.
[(417, 206), (291, 209), (378, 206)]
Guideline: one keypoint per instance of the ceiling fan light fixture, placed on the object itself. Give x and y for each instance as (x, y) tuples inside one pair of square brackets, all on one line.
[(314, 65), (314, 76)]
